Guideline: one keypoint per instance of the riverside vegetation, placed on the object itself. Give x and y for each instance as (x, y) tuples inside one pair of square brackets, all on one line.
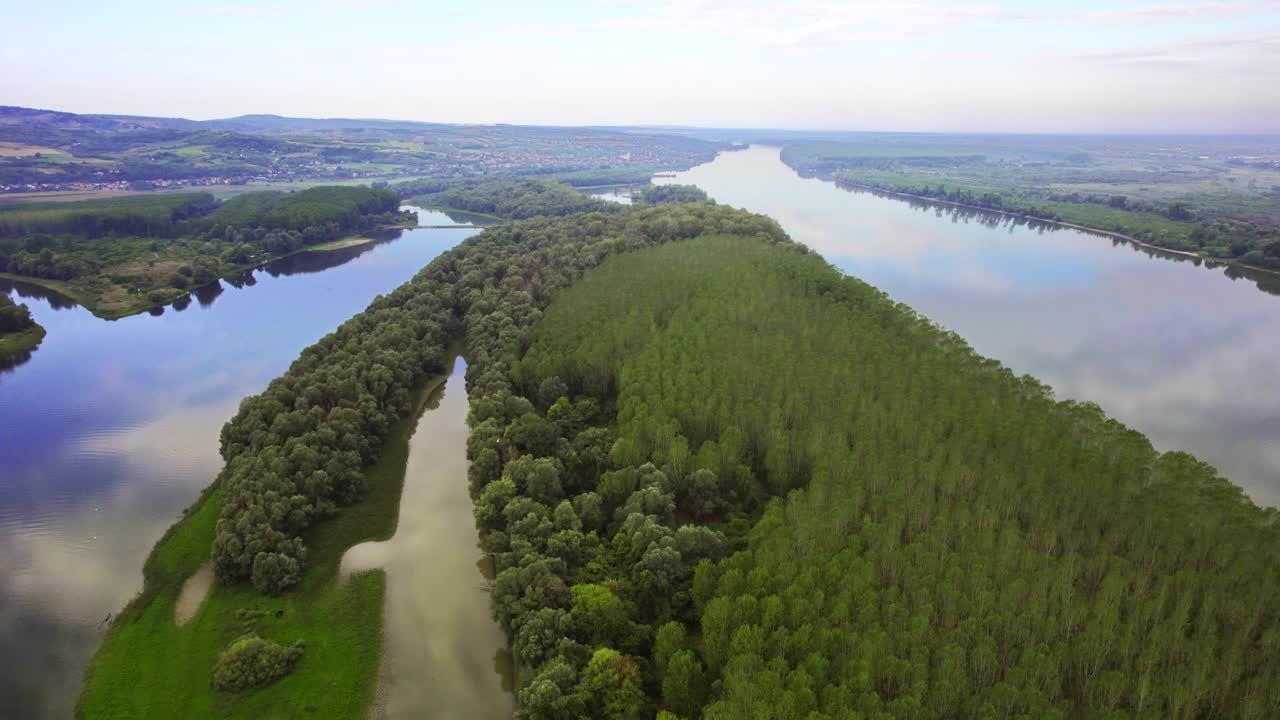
[(124, 255), (19, 333), (1217, 198), (334, 429), (719, 479)]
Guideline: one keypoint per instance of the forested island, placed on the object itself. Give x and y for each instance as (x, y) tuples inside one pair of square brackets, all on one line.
[(503, 199), (121, 256), (1215, 198), (718, 479)]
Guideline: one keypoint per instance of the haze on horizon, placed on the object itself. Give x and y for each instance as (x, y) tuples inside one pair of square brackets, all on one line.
[(923, 65)]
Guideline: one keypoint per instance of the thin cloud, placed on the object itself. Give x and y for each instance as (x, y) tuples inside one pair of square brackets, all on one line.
[(808, 23), (255, 10), (1181, 12), (1254, 48)]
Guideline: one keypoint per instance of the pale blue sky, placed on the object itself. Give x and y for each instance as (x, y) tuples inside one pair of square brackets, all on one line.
[(1085, 66)]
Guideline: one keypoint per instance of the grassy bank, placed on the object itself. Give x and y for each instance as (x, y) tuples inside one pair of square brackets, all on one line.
[(147, 666), (20, 342)]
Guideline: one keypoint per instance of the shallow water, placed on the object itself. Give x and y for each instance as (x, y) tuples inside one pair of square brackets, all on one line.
[(1183, 353), (111, 429), (444, 655)]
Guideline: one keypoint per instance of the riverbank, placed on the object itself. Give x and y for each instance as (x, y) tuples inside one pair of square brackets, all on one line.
[(425, 204), (341, 621), (110, 301), (1209, 261), (16, 344)]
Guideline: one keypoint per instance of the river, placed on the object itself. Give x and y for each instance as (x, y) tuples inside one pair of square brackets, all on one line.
[(444, 656), (111, 428), (1185, 354)]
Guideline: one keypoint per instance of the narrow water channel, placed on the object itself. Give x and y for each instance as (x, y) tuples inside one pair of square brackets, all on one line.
[(444, 655), (111, 428)]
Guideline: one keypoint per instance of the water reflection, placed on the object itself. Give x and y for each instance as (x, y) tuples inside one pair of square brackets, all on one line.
[(614, 194), (25, 290), (1268, 282), (112, 429), (1183, 353), (445, 657)]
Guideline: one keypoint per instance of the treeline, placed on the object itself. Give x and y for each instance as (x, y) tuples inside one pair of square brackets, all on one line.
[(656, 194), (606, 176), (514, 199), (952, 542), (823, 158), (344, 206), (13, 316), (277, 223), (294, 453), (1174, 226), (1171, 225), (147, 215), (66, 241)]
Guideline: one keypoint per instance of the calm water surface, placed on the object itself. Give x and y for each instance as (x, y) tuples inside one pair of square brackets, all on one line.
[(111, 429), (445, 657), (1185, 354)]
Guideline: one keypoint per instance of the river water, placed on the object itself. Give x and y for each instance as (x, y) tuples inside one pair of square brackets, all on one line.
[(1185, 354), (444, 656), (110, 429)]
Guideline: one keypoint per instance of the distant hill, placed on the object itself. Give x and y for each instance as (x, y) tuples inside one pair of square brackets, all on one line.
[(55, 120)]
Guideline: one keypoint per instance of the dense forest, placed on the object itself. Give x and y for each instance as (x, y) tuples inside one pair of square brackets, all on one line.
[(512, 199), (298, 454), (963, 545), (294, 453), (158, 215), (721, 479), (655, 194)]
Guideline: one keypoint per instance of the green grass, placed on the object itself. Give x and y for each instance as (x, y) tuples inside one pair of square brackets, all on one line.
[(147, 666), (22, 341)]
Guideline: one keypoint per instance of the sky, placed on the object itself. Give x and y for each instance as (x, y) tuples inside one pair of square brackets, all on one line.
[(922, 65)]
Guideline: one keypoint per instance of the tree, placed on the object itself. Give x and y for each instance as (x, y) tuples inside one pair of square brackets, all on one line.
[(553, 694), (539, 634), (551, 390), (670, 639), (251, 662), (590, 510), (599, 616), (532, 434), (683, 683), (493, 500), (613, 679), (273, 573)]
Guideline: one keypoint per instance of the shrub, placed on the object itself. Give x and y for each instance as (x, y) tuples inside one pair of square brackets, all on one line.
[(252, 662)]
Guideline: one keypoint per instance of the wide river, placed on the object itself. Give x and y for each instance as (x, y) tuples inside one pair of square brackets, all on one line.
[(1183, 353), (111, 428)]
